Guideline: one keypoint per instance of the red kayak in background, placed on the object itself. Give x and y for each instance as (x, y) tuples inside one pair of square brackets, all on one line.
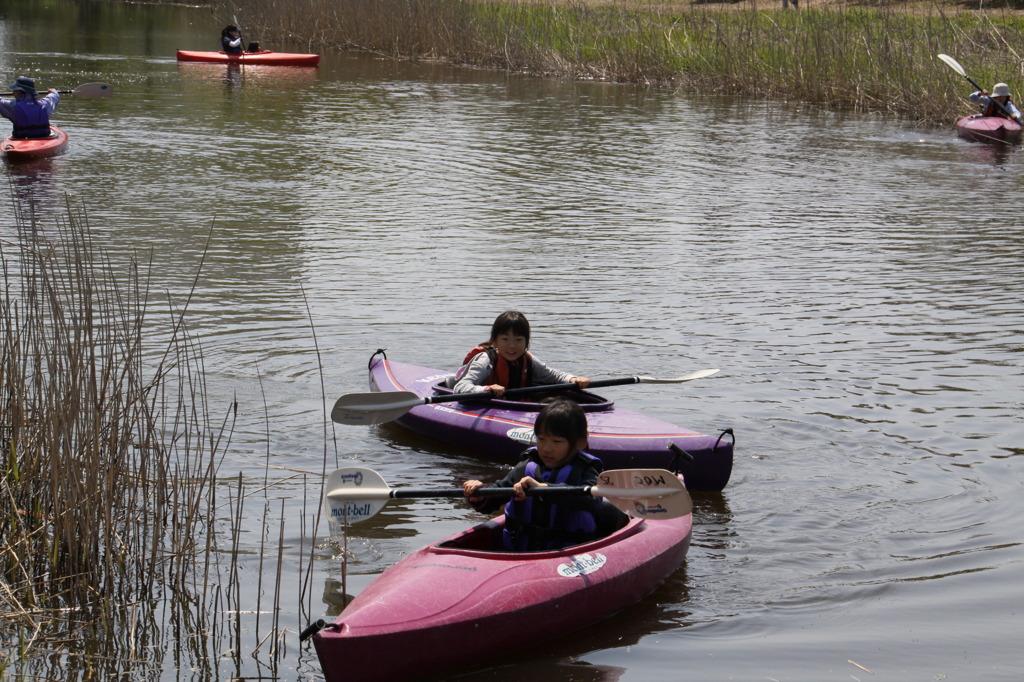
[(263, 57), (33, 148), (989, 129)]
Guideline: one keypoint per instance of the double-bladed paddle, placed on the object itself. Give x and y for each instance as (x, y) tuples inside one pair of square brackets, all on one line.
[(356, 493), (955, 65), (369, 409)]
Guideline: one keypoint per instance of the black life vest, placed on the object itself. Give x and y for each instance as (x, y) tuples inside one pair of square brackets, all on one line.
[(231, 45), (533, 525)]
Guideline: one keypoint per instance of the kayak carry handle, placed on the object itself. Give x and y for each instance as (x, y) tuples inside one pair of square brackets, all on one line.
[(680, 456), (312, 629)]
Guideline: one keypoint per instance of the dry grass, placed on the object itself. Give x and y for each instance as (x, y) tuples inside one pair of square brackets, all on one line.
[(868, 56), (109, 557)]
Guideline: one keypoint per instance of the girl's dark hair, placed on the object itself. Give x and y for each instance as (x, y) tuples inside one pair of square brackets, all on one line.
[(228, 29), (564, 419), (510, 321)]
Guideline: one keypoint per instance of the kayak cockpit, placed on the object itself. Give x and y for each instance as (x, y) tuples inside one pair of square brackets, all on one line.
[(486, 538), (590, 402)]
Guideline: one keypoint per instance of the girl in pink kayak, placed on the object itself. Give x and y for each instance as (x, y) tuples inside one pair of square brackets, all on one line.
[(533, 523)]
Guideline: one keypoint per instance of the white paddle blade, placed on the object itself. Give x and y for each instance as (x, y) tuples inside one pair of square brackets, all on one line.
[(370, 409), (953, 64), (93, 90), (645, 493), (700, 374), (353, 494)]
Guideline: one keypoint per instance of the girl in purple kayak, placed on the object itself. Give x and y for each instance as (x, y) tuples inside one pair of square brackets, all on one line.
[(534, 523), (29, 112), (503, 361)]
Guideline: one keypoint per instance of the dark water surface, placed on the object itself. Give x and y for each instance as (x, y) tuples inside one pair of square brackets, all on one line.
[(858, 282)]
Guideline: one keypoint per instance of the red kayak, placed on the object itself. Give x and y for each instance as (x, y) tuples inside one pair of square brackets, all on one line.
[(22, 148), (989, 129), (263, 57), (459, 602)]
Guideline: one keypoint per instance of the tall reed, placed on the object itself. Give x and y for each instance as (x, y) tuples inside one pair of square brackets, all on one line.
[(109, 457), (871, 57)]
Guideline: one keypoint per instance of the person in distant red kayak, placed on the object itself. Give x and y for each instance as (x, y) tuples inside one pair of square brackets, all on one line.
[(231, 40), (29, 112), (991, 103), (503, 361)]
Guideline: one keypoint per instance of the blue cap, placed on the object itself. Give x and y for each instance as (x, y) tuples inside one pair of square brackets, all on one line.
[(25, 84)]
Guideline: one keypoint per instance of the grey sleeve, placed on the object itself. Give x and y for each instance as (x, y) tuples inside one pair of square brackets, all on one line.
[(476, 376)]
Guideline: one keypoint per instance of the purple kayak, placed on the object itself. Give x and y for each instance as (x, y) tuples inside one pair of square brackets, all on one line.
[(502, 429), (457, 601), (989, 129)]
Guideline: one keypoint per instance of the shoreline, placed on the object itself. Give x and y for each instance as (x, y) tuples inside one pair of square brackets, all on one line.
[(865, 57)]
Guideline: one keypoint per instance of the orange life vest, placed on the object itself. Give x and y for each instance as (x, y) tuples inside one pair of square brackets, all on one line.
[(994, 109), (502, 371)]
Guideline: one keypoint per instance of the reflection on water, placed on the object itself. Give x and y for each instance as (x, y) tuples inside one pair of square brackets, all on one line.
[(335, 598), (269, 79), (991, 154), (564, 668), (35, 185), (711, 511)]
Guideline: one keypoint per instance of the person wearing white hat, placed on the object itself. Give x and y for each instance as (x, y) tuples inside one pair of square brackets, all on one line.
[(998, 103), (29, 112)]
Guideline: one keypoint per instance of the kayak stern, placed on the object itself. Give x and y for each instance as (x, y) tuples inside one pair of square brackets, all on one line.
[(22, 149)]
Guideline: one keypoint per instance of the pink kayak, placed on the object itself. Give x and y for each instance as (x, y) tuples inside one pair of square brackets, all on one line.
[(263, 57), (15, 148), (459, 602), (989, 129), (502, 429)]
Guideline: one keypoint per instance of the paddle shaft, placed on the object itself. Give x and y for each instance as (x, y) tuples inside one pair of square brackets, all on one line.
[(551, 490), (357, 493), (367, 409), (410, 493), (527, 390), (539, 491)]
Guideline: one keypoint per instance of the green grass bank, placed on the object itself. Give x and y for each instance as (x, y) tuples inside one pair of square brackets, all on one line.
[(875, 58)]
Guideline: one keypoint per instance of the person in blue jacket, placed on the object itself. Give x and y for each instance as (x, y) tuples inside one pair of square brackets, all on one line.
[(533, 523), (230, 40), (29, 112)]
